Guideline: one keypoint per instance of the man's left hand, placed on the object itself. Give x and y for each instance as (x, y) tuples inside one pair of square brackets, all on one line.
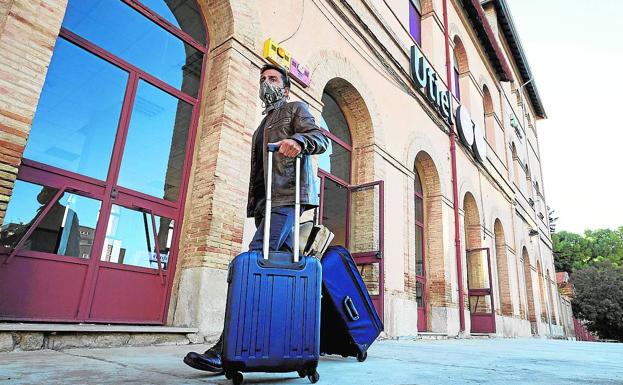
[(289, 147)]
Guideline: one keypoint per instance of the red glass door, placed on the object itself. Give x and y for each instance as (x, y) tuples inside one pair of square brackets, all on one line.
[(365, 237), (92, 229), (481, 305)]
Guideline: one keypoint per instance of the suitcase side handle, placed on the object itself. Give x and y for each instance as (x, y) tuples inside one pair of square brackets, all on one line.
[(350, 308), (272, 147)]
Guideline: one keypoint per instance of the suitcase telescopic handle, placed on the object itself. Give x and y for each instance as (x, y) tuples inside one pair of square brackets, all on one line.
[(350, 308), (272, 147)]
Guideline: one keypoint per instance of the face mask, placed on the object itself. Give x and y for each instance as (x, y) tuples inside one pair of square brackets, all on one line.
[(270, 93)]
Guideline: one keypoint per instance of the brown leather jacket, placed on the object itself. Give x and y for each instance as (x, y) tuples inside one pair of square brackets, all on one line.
[(288, 120)]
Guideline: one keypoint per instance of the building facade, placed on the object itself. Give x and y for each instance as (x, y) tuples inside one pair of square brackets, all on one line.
[(126, 130)]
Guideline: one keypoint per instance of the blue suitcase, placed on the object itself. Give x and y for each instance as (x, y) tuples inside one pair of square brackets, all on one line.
[(349, 322), (272, 317)]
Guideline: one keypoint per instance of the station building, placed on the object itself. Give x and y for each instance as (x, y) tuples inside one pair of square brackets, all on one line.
[(126, 131)]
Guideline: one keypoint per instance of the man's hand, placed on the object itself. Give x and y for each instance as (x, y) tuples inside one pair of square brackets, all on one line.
[(289, 147)]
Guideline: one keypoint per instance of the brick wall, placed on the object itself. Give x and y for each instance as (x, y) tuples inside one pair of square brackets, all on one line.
[(217, 196), (506, 305), (528, 280), (28, 32)]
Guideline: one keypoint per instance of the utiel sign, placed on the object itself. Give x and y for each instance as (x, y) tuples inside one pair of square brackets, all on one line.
[(427, 81)]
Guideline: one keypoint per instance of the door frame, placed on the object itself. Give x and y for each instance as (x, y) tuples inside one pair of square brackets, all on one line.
[(364, 258), (482, 322)]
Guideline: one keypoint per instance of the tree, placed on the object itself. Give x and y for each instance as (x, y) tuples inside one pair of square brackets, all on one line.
[(573, 251), (570, 251), (605, 245), (599, 299)]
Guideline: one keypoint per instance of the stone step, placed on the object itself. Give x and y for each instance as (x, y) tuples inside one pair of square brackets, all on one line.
[(432, 336), (481, 335), (35, 336)]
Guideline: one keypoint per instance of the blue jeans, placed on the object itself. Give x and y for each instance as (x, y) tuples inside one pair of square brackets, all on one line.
[(281, 234)]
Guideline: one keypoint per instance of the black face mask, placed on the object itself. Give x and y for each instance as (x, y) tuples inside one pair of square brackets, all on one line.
[(270, 93)]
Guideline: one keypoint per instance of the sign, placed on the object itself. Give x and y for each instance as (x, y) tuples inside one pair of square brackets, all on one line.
[(153, 258), (300, 73), (278, 55), (428, 81), (471, 134)]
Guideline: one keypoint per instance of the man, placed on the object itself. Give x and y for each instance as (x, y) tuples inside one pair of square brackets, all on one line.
[(290, 125)]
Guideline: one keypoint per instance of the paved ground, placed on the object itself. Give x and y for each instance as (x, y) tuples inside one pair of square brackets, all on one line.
[(497, 361)]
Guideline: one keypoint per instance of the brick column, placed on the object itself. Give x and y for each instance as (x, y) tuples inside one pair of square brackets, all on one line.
[(28, 32), (217, 195)]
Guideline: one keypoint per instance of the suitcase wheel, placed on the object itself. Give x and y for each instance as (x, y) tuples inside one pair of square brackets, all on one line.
[(229, 375), (313, 376), (361, 356), (302, 373), (237, 378)]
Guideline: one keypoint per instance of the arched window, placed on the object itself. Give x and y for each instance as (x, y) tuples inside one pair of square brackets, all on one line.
[(420, 267), (335, 169), (517, 167), (99, 194), (460, 65), (415, 20), (336, 160), (487, 102), (455, 73)]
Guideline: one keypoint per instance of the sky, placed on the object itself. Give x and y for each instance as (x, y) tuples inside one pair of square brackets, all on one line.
[(575, 52)]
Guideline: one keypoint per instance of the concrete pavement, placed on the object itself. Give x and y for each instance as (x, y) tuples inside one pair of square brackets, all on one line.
[(467, 361)]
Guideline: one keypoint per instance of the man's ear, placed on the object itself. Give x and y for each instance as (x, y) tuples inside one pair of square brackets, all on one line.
[(286, 91)]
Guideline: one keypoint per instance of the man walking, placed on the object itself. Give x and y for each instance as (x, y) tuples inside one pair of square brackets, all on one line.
[(290, 125)]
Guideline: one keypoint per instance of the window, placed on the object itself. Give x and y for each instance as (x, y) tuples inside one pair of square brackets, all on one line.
[(334, 170), (336, 159), (126, 33), (489, 117), (455, 73), (415, 20), (61, 219), (420, 266), (419, 227), (460, 64)]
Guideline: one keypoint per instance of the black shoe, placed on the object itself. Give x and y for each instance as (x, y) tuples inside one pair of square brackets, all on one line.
[(204, 362), (210, 361)]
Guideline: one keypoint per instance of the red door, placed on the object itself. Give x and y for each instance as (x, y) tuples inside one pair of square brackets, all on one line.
[(365, 237), (481, 305), (355, 215), (92, 228)]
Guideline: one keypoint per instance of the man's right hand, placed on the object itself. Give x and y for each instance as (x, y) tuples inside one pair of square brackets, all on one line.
[(289, 147)]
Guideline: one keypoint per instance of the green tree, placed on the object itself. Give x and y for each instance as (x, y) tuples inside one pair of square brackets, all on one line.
[(570, 250), (605, 245), (599, 299), (573, 251)]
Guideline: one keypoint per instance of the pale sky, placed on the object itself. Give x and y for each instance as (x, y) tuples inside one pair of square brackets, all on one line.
[(575, 51)]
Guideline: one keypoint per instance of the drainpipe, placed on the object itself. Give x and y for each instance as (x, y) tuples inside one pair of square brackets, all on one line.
[(455, 189)]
